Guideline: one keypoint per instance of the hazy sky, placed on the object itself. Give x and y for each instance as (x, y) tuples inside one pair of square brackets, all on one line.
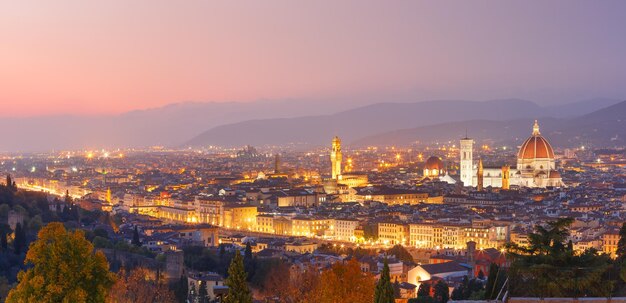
[(111, 56)]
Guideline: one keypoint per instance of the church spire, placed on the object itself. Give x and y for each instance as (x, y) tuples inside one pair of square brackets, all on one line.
[(536, 129)]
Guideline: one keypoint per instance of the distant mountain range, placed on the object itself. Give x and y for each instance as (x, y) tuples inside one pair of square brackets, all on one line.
[(309, 122), (403, 123), (171, 125), (604, 127)]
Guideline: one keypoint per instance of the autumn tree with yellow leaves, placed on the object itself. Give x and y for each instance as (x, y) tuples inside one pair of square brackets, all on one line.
[(140, 285), (64, 269)]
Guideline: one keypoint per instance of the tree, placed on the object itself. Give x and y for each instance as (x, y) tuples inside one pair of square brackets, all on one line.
[(202, 292), (423, 290), (67, 198), (248, 261), (139, 287), (441, 292), (181, 289), (19, 242), (422, 299), (396, 289), (549, 267), (621, 244), (289, 286), (192, 293), (238, 291), (35, 223), (344, 282), (384, 290), (461, 292), (135, 241), (401, 254), (481, 275), (493, 281), (3, 240), (64, 269)]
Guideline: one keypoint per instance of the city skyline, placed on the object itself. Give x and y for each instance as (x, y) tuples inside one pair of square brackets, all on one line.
[(88, 58), (313, 152)]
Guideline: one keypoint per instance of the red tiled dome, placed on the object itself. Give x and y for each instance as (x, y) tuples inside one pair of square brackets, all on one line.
[(536, 146), (433, 163)]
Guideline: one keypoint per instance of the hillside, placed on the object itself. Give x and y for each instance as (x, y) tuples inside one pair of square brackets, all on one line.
[(381, 118), (605, 127)]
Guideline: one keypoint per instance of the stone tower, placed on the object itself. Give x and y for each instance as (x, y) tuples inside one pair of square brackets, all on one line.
[(506, 173), (335, 158), (277, 164), (467, 161), (479, 175)]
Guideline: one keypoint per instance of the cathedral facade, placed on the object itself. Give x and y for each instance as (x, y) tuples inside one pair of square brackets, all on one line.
[(535, 166)]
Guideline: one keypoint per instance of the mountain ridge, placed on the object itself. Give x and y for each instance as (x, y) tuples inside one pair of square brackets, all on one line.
[(374, 118)]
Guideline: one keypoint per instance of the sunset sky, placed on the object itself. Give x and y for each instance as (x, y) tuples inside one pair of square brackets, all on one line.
[(101, 57)]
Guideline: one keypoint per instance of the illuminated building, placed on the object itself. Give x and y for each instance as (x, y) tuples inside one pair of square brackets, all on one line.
[(339, 180), (536, 165), (265, 224), (479, 175), (335, 158), (301, 248), (467, 162), (506, 174), (300, 198), (210, 210), (240, 216), (388, 195), (309, 227), (437, 235), (609, 241), (433, 168), (343, 229), (353, 179), (393, 233)]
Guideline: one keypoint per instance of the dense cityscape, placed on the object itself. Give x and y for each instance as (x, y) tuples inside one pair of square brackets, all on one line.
[(402, 212), (354, 151)]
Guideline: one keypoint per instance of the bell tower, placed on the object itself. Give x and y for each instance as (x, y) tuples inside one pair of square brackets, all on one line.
[(467, 161), (479, 175), (335, 158), (506, 173)]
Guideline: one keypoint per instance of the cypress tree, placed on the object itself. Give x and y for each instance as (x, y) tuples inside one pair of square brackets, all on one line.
[(9, 181), (238, 291), (135, 240), (423, 290), (181, 290), (247, 255), (442, 293), (490, 289), (481, 275), (384, 290), (248, 261), (621, 244), (75, 213), (202, 292), (192, 292), (68, 199), (3, 241), (396, 289), (20, 239)]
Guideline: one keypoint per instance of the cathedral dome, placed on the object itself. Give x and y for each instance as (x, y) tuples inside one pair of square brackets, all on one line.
[(536, 146), (554, 174), (433, 163)]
